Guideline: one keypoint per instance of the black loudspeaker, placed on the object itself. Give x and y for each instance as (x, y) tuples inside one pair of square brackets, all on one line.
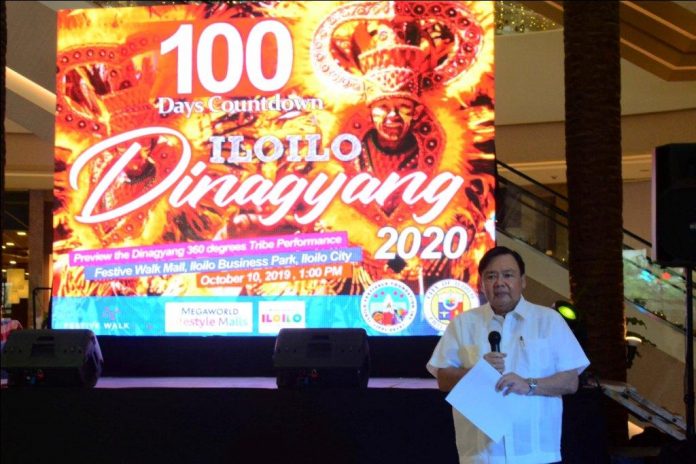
[(674, 205), (318, 358), (52, 358)]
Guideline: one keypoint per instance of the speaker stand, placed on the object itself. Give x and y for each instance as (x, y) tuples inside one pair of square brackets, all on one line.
[(689, 395)]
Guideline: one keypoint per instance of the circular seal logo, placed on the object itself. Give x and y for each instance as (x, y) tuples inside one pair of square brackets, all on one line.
[(446, 299), (388, 306)]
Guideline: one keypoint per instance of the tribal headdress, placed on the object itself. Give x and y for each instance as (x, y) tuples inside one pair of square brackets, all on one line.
[(383, 49)]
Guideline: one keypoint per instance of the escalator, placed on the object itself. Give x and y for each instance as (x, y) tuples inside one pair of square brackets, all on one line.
[(533, 219)]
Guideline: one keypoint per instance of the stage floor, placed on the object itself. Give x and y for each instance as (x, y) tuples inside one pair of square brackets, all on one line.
[(248, 419), (227, 420), (243, 382)]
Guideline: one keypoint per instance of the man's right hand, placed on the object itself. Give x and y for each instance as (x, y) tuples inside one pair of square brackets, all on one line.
[(496, 359)]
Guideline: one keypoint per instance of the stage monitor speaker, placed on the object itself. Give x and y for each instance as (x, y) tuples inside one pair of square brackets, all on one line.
[(52, 358), (318, 358), (674, 205)]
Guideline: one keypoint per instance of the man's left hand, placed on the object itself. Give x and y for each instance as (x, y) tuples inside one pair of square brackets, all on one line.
[(512, 383)]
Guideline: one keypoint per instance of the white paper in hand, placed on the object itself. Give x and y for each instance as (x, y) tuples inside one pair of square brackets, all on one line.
[(475, 398)]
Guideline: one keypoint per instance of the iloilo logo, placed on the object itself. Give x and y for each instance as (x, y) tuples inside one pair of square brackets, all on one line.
[(447, 299), (275, 315), (388, 306)]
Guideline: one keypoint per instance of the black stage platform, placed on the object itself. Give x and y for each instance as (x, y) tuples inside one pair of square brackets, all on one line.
[(248, 420)]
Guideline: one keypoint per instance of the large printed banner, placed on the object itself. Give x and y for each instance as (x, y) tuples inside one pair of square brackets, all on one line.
[(237, 169)]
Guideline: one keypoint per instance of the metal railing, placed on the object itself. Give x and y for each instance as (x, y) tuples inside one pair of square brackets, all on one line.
[(538, 215)]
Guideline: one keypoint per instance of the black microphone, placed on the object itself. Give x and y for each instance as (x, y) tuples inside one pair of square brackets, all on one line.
[(494, 340)]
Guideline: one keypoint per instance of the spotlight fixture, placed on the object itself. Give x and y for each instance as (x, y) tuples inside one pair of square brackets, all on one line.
[(566, 309), (632, 344), (573, 318)]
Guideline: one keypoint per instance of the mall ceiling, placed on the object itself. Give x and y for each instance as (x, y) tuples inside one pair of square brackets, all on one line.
[(660, 37)]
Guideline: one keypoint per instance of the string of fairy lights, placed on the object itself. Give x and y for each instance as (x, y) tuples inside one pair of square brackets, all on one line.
[(514, 17), (510, 17)]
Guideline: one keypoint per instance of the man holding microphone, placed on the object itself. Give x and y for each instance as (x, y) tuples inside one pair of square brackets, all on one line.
[(530, 345)]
